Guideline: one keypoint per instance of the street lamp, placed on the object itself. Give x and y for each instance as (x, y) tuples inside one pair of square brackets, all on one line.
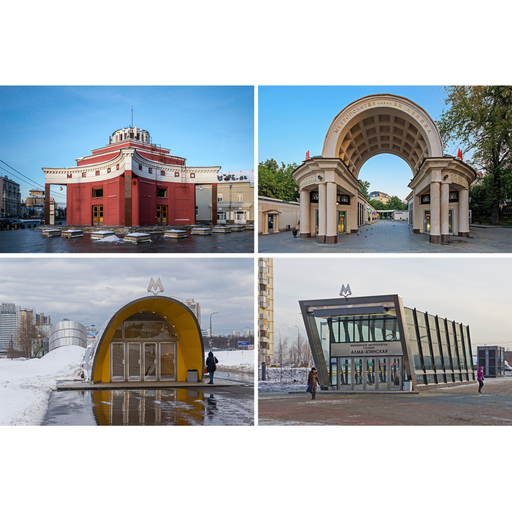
[(211, 334), (11, 344)]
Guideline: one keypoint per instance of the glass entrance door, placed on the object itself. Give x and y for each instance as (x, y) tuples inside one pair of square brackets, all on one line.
[(341, 221), (271, 223), (161, 215), (167, 361), (369, 377), (134, 360), (97, 215), (150, 361), (426, 222), (117, 361), (367, 373)]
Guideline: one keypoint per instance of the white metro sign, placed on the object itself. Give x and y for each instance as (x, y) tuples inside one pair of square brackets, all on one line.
[(157, 287)]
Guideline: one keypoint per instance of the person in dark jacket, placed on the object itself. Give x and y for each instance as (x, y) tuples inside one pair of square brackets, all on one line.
[(211, 361), (312, 382), (480, 379)]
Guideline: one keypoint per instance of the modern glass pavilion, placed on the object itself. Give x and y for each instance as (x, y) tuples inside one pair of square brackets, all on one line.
[(151, 339), (377, 344)]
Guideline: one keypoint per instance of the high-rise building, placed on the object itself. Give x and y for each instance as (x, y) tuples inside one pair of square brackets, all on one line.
[(195, 308), (43, 320), (265, 311), (10, 198), (9, 323)]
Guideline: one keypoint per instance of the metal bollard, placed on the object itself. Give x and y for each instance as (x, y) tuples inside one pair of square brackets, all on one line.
[(263, 372)]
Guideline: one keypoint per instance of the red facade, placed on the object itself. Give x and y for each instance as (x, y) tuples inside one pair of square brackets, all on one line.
[(145, 196)]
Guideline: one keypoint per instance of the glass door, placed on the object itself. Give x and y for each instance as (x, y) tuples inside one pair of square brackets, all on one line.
[(450, 221), (358, 374), (369, 373), (395, 373), (383, 374), (117, 362), (134, 360), (150, 361), (167, 361), (344, 373), (341, 222), (426, 222), (97, 215)]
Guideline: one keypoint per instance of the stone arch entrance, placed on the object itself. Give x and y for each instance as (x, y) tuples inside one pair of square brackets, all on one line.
[(376, 124)]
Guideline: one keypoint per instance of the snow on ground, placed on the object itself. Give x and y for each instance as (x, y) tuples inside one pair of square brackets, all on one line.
[(284, 380), (26, 384), (111, 238), (241, 361)]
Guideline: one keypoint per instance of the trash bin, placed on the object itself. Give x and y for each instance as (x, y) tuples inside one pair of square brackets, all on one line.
[(192, 376)]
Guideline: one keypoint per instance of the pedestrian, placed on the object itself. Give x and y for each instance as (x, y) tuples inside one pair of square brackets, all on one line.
[(211, 365), (312, 382), (480, 379)]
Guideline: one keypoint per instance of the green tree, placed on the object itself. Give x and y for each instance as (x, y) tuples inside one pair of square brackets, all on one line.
[(378, 205), (277, 181), (365, 187), (480, 119), (396, 204)]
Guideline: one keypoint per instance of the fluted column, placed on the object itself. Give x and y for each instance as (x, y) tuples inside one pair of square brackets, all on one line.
[(332, 225), (435, 211), (464, 212), (322, 213), (305, 230), (445, 205)]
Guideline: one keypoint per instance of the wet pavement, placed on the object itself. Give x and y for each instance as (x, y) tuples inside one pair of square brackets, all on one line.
[(392, 236), (31, 241), (461, 405), (198, 406)]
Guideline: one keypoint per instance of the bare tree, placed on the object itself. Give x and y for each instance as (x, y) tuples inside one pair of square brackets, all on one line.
[(305, 356), (26, 335), (280, 353)]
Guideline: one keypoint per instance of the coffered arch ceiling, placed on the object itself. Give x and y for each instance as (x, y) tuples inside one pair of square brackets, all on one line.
[(382, 124)]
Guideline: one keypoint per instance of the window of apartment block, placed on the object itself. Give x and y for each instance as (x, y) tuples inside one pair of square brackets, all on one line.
[(97, 192), (161, 192)]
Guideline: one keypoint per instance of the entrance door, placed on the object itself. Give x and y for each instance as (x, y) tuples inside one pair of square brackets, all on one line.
[(161, 215), (450, 221), (97, 215), (271, 223), (426, 222), (167, 361), (368, 373), (341, 221), (134, 360), (150, 361), (117, 361)]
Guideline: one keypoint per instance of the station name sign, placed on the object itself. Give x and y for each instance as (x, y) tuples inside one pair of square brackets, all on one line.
[(377, 349)]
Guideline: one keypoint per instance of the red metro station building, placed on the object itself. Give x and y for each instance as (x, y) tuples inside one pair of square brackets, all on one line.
[(133, 182)]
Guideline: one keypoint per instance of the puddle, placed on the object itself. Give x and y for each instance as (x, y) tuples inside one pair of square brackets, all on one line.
[(151, 407)]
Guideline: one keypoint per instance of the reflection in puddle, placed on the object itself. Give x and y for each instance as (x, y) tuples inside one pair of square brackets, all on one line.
[(148, 407)]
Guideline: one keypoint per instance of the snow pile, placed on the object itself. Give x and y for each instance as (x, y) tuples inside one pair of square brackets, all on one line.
[(241, 361), (283, 380), (111, 238), (26, 384)]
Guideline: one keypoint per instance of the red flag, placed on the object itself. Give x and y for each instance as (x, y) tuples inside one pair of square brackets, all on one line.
[(459, 154), (307, 155)]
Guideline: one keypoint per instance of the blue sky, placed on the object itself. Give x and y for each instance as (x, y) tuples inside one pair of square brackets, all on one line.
[(52, 126), (295, 119)]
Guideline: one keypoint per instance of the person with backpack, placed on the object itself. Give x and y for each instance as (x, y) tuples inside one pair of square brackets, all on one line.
[(480, 379), (211, 365)]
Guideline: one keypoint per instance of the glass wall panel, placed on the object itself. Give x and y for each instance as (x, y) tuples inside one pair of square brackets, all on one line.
[(420, 378), (134, 358), (334, 368), (150, 361), (335, 329), (411, 329), (358, 373), (324, 334), (370, 373), (391, 328), (425, 345), (436, 345), (377, 329), (460, 347), (444, 345), (383, 373), (167, 361), (453, 348), (395, 373), (118, 361), (347, 333)]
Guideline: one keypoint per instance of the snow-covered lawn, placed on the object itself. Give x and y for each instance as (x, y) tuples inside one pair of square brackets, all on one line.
[(26, 384), (234, 361), (283, 380)]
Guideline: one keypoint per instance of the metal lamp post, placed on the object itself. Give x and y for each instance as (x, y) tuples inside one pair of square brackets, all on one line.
[(211, 333), (11, 344)]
